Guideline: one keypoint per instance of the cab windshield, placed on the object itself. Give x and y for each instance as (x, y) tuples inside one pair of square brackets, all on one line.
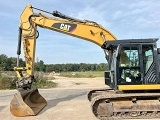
[(129, 69)]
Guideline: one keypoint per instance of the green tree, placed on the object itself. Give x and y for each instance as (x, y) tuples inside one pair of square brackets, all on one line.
[(3, 60), (40, 66)]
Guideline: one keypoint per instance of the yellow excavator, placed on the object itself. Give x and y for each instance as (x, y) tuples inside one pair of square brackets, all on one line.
[(133, 77)]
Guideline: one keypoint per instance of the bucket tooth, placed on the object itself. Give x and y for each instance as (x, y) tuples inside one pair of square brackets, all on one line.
[(27, 103)]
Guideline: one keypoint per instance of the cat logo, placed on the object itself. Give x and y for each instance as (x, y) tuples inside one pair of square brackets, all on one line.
[(67, 27)]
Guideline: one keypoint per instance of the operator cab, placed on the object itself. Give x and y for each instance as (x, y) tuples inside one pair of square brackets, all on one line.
[(132, 62)]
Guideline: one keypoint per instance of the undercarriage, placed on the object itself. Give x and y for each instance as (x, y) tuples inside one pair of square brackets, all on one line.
[(110, 105)]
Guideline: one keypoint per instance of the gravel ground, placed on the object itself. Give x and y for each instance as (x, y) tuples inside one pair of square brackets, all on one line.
[(66, 102)]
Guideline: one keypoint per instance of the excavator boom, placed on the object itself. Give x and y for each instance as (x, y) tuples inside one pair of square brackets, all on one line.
[(28, 101), (84, 29)]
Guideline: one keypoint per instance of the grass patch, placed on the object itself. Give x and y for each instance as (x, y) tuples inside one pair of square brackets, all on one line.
[(9, 82), (88, 74), (43, 82)]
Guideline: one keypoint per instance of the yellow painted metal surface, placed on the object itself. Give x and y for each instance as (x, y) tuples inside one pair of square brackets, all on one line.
[(139, 87), (86, 30)]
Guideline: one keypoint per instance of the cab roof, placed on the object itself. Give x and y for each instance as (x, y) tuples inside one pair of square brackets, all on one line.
[(113, 44)]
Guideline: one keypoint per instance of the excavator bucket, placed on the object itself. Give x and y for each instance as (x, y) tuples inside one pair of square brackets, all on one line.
[(27, 102)]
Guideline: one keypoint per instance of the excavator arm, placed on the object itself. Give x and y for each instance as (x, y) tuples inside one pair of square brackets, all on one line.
[(87, 30), (28, 33)]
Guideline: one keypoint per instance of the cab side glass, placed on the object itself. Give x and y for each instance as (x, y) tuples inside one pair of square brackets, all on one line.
[(158, 50)]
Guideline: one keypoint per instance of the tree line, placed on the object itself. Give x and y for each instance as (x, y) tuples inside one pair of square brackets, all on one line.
[(82, 67), (8, 63)]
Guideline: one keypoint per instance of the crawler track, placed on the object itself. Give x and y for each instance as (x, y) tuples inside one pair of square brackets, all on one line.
[(112, 106), (96, 92)]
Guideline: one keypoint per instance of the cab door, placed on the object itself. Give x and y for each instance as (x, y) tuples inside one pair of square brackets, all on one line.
[(128, 65)]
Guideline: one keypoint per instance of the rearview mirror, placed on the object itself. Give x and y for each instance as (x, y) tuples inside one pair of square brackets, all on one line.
[(158, 50)]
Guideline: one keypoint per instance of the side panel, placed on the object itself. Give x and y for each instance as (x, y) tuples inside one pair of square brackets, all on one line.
[(109, 78), (111, 75), (139, 87), (149, 57)]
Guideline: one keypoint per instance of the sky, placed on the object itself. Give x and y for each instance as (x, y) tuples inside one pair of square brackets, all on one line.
[(126, 19)]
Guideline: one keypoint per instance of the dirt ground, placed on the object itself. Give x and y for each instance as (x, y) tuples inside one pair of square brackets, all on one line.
[(79, 83), (66, 102)]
